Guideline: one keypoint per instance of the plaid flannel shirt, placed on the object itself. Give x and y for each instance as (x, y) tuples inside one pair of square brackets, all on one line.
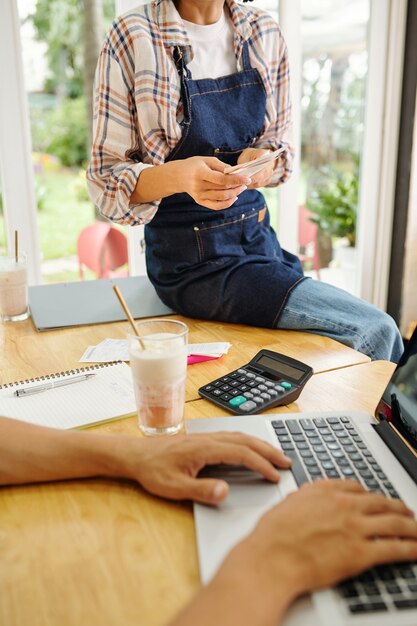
[(137, 107)]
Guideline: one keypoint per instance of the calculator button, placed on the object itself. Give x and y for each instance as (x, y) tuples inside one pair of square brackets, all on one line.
[(241, 371), (255, 391), (225, 387), (233, 375), (243, 379), (286, 385), (258, 400), (280, 389), (247, 406), (217, 392), (259, 379), (273, 392), (225, 379), (248, 395), (266, 396), (234, 392), (250, 375), (244, 387), (226, 397), (237, 400), (263, 387), (251, 383), (269, 383), (235, 383), (208, 388), (217, 383)]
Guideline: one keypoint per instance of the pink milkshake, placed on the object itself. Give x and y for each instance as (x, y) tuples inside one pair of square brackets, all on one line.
[(13, 289), (159, 371)]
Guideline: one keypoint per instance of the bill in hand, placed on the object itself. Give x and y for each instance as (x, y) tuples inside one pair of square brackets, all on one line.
[(253, 167)]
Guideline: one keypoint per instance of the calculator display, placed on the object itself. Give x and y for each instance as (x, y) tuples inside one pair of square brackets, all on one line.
[(281, 368)]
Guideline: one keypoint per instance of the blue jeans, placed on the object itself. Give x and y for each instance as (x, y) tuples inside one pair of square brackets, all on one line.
[(320, 308)]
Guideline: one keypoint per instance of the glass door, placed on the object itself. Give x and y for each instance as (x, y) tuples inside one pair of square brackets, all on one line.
[(334, 79), (58, 77)]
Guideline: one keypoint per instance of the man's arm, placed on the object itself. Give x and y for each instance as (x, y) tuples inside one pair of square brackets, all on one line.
[(323, 533), (166, 466)]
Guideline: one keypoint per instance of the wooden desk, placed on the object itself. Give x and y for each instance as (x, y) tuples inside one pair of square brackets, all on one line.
[(105, 552), (345, 388), (27, 353)]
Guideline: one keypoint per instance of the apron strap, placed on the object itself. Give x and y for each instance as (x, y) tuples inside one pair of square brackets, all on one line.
[(245, 56), (185, 74), (178, 55)]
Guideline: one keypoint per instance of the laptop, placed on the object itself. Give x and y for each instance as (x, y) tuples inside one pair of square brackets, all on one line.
[(379, 451)]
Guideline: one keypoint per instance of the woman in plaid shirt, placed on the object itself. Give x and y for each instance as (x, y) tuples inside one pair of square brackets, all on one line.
[(184, 89)]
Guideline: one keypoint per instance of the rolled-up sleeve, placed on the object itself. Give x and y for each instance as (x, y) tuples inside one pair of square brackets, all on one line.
[(278, 127), (116, 160)]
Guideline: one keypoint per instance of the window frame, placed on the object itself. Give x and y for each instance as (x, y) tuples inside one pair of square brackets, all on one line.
[(18, 181)]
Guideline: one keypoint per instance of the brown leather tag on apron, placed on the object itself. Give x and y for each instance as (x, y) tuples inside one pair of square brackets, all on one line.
[(261, 215)]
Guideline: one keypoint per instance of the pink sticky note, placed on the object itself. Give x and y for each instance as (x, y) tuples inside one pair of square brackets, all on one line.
[(198, 358)]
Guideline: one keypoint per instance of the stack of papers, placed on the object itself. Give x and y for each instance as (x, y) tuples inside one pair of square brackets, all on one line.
[(256, 165), (117, 350)]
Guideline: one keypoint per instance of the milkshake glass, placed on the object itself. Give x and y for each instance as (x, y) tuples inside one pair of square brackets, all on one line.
[(159, 369), (13, 289)]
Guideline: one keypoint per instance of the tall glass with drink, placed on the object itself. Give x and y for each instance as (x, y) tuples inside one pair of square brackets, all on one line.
[(13, 288), (158, 358)]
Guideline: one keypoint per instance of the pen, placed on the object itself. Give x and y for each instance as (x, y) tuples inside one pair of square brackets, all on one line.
[(51, 384)]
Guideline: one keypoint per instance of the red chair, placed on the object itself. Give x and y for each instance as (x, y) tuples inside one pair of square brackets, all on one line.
[(307, 239), (102, 249)]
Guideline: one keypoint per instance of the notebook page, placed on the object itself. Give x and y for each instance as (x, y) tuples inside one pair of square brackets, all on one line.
[(106, 396)]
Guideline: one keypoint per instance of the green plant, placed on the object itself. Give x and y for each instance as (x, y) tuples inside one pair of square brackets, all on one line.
[(334, 205), (80, 187), (67, 126)]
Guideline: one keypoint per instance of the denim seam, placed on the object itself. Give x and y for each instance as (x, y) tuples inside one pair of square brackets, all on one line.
[(276, 318), (240, 219), (199, 245), (338, 326), (203, 93)]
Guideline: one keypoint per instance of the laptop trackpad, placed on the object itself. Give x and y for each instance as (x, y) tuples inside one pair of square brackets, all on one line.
[(220, 528)]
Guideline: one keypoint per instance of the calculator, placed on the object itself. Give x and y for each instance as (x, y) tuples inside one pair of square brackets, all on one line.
[(269, 379)]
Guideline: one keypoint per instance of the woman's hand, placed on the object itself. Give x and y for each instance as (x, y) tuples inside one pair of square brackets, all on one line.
[(203, 179), (262, 178), (329, 531), (169, 466)]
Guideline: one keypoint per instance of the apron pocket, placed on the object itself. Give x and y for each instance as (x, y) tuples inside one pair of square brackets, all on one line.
[(219, 239), (258, 238)]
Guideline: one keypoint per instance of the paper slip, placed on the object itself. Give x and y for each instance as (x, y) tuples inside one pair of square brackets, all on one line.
[(209, 349), (106, 351), (253, 167), (117, 350)]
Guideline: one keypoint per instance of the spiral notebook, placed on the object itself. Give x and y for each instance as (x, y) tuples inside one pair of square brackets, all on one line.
[(106, 394)]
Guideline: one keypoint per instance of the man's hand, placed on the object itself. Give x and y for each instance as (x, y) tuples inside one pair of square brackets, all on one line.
[(262, 178), (329, 531), (169, 466)]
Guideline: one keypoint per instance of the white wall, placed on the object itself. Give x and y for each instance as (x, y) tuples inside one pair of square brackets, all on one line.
[(409, 301)]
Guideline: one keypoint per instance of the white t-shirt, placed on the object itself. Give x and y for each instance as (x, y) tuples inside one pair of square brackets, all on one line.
[(213, 49)]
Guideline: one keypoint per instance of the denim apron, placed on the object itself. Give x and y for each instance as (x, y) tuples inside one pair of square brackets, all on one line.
[(222, 265)]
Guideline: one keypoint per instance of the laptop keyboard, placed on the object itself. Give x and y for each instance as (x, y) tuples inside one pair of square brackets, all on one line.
[(332, 448)]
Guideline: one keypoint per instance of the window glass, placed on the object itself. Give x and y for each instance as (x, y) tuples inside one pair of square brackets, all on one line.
[(58, 78), (334, 49), (334, 75)]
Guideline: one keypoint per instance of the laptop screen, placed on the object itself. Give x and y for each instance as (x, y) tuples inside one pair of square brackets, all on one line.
[(399, 400)]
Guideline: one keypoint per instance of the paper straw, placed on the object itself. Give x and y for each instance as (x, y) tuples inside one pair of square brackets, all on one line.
[(128, 314), (16, 245)]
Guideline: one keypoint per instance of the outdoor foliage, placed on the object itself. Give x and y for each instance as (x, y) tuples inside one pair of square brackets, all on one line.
[(335, 203), (59, 23), (67, 130)]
